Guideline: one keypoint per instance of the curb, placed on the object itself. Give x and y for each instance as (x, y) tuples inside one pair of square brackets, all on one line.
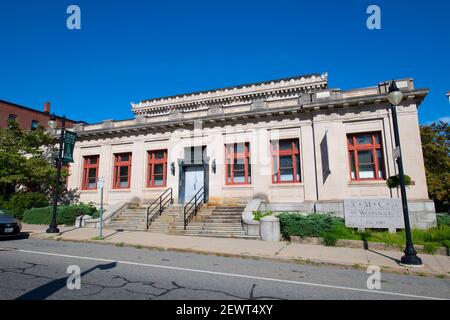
[(314, 262), (360, 244)]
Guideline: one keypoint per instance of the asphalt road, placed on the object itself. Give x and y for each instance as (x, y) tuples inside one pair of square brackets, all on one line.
[(37, 269)]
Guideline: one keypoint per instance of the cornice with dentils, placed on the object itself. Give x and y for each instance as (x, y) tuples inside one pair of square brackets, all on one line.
[(375, 100), (234, 94)]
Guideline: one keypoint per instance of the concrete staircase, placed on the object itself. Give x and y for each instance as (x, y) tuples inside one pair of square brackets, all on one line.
[(132, 218), (210, 221), (222, 222)]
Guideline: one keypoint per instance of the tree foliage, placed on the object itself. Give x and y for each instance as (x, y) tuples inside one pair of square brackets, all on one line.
[(436, 152), (27, 165)]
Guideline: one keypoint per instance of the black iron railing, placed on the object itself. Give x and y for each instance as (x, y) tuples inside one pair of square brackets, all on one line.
[(193, 206), (157, 207)]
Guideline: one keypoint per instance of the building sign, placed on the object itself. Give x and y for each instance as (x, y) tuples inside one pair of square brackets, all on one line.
[(69, 143), (373, 213)]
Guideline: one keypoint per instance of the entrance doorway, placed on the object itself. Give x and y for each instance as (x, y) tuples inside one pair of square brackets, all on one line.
[(194, 181), (194, 173)]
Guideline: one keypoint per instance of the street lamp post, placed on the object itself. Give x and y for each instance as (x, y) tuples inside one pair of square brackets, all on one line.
[(410, 258), (53, 227)]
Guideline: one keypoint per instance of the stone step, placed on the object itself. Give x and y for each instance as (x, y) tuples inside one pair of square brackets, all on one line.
[(131, 216), (121, 217), (222, 236), (228, 227), (213, 234), (227, 212), (131, 228), (238, 218), (223, 218)]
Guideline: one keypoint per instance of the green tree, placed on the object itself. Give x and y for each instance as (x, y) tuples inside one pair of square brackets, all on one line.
[(436, 153), (26, 166)]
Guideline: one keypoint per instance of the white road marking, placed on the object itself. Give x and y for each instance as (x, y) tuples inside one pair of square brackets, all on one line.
[(233, 275)]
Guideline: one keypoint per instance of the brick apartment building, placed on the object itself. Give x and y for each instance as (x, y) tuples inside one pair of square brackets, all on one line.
[(29, 118)]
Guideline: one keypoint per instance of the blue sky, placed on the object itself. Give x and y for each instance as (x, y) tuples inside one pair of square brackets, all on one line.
[(134, 50)]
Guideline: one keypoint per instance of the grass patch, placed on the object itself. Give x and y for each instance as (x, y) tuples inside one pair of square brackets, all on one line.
[(258, 215), (96, 238), (120, 244)]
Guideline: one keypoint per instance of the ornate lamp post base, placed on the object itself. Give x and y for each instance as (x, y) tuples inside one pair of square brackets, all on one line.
[(52, 230), (410, 259)]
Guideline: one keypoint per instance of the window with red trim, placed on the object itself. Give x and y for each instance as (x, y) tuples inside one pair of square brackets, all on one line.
[(285, 161), (122, 170), (237, 164), (365, 156), (90, 172), (157, 168)]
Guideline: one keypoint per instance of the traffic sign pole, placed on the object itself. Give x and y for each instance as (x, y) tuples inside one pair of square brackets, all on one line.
[(100, 186)]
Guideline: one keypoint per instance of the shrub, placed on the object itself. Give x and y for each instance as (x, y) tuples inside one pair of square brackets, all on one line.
[(65, 215), (258, 215), (312, 225), (443, 219), (330, 239), (394, 181), (430, 247), (21, 201), (446, 243)]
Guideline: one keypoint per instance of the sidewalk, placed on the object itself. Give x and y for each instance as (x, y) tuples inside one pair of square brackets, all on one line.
[(281, 251)]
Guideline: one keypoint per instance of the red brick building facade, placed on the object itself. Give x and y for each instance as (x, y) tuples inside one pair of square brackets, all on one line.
[(28, 118)]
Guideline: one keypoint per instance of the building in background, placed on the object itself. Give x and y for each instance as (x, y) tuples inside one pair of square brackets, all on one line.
[(294, 142), (29, 118)]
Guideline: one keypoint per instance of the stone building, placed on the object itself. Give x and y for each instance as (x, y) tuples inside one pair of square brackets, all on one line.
[(294, 142)]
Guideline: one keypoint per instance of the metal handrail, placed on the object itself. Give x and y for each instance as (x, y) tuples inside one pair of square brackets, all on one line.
[(193, 206), (161, 202)]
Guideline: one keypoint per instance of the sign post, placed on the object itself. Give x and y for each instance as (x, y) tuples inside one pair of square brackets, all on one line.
[(101, 182)]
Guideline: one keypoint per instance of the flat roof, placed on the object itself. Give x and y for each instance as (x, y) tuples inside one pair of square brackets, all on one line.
[(38, 111)]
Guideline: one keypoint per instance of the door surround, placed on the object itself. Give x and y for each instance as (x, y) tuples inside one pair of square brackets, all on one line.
[(182, 165)]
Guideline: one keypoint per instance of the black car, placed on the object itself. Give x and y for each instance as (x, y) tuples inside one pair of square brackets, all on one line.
[(9, 226)]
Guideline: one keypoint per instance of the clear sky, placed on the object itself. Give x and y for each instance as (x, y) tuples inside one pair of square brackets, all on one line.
[(127, 51)]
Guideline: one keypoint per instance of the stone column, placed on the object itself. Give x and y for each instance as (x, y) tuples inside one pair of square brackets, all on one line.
[(261, 163), (137, 169), (106, 170)]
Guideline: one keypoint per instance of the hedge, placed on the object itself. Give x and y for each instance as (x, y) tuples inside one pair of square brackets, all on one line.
[(21, 201), (311, 225), (66, 214)]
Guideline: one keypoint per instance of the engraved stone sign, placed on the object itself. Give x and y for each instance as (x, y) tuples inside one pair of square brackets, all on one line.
[(374, 213), (215, 110), (175, 114), (259, 104)]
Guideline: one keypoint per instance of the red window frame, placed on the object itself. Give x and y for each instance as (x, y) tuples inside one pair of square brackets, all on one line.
[(119, 163), (231, 154), (276, 153), (151, 162), (86, 167), (374, 147)]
